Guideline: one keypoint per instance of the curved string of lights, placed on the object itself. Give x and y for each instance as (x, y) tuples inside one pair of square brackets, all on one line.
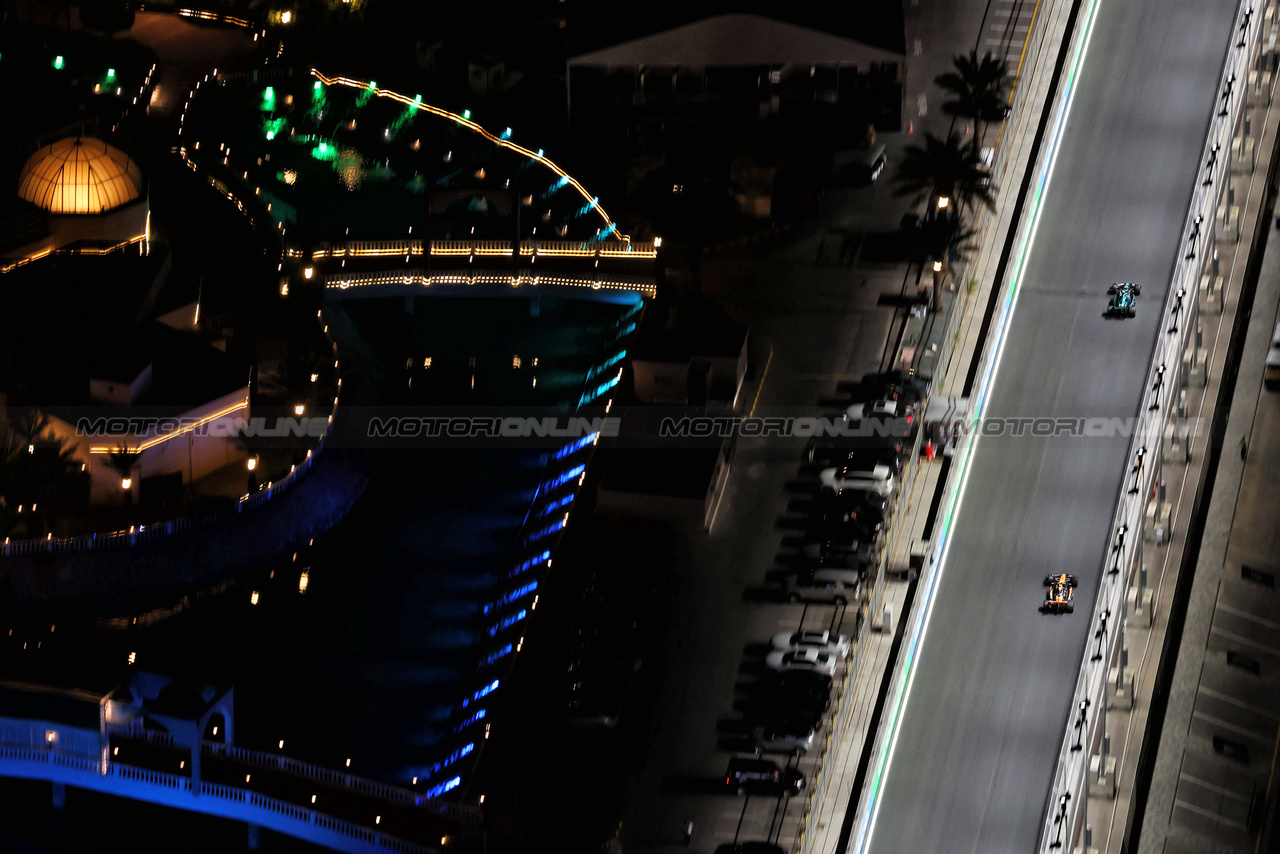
[(611, 228)]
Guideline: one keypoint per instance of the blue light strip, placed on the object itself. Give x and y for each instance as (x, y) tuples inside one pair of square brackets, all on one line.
[(478, 716), (544, 532), (525, 566), (599, 390), (556, 505), (437, 791), (607, 363), (565, 477), (505, 623), (573, 446)]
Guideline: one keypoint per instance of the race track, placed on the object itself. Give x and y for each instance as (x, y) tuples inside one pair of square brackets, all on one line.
[(993, 689)]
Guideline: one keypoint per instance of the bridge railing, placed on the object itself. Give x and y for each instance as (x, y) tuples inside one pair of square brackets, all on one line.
[(207, 795), (270, 761), (342, 281), (640, 251)]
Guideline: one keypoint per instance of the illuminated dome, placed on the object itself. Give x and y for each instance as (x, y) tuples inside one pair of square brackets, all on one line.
[(79, 175)]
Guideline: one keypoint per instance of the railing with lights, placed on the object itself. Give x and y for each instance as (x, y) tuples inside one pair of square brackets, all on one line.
[(1079, 764), (234, 802), (502, 140), (343, 281)]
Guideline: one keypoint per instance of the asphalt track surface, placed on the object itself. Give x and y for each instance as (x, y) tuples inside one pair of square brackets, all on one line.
[(979, 740)]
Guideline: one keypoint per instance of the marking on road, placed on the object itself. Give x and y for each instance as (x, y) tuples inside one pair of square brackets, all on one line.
[(1216, 816), (1236, 729), (1205, 784), (917, 47), (1246, 615), (922, 105), (1218, 695)]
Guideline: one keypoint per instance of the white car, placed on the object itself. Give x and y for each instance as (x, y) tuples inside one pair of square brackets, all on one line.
[(813, 639), (804, 658), (874, 409), (878, 479), (776, 741)]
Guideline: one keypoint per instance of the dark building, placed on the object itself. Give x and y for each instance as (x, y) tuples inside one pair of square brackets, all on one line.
[(742, 64)]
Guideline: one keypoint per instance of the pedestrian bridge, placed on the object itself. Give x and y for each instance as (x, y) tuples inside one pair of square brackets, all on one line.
[(613, 271), (50, 734)]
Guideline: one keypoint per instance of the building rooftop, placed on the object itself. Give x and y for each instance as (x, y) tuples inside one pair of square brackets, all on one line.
[(79, 175), (875, 23), (738, 40), (49, 353)]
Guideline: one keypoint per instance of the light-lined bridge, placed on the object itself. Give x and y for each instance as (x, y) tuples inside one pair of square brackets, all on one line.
[(50, 735)]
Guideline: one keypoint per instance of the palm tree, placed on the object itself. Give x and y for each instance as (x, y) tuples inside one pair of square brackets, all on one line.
[(949, 169), (979, 87), (123, 460), (37, 469), (938, 243)]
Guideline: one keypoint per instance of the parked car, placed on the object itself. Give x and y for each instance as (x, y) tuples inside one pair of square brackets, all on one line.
[(820, 448), (805, 684), (834, 553), (875, 479), (901, 378), (826, 522), (762, 777), (822, 638), (856, 499), (784, 713), (797, 742), (868, 505), (801, 589), (848, 576), (995, 111), (878, 408), (803, 659), (905, 394), (860, 458)]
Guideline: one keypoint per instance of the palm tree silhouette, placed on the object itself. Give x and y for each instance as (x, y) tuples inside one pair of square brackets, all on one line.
[(946, 168), (123, 460), (978, 86), (944, 240)]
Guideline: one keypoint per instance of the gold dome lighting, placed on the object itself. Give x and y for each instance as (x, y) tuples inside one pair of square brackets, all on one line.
[(79, 175)]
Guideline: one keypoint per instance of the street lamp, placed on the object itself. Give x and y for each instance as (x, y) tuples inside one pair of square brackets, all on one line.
[(299, 409), (252, 463), (308, 272), (943, 202), (937, 266), (126, 482)]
